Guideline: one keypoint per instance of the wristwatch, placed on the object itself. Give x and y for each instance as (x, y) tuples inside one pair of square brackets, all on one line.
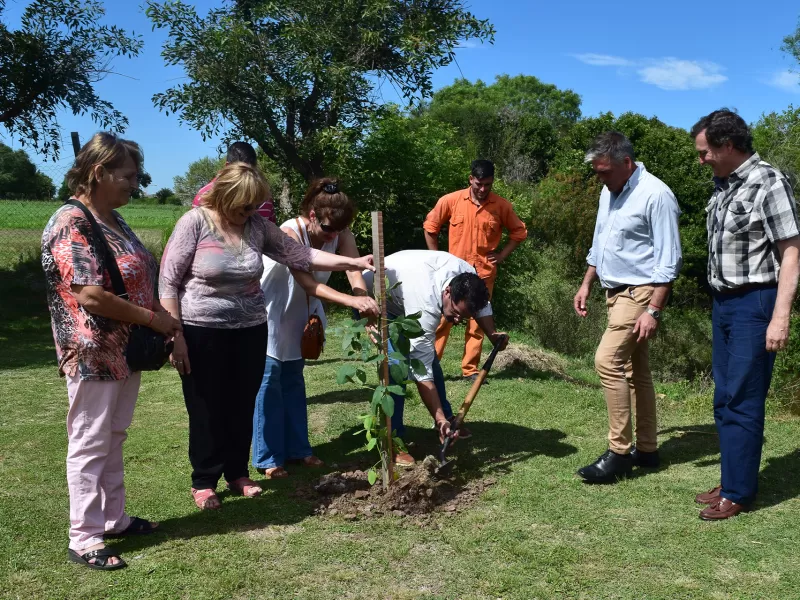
[(656, 314)]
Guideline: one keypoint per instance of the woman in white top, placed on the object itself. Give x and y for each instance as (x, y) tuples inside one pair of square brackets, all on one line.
[(280, 421)]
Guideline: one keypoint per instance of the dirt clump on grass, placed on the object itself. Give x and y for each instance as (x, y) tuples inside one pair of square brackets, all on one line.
[(522, 357), (416, 493)]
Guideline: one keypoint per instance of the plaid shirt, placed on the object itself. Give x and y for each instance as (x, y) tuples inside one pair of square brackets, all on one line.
[(750, 211)]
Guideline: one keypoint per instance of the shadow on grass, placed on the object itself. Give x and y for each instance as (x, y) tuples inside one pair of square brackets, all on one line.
[(350, 395), (779, 480), (25, 335), (493, 449)]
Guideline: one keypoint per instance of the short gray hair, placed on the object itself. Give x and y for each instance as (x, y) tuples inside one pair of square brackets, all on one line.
[(612, 145)]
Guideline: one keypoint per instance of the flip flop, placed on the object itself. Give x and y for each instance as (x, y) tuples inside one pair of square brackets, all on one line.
[(137, 527), (206, 499), (244, 486), (274, 473), (100, 557)]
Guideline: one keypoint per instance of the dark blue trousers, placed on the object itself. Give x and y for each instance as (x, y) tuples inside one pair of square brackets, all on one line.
[(399, 401), (742, 370)]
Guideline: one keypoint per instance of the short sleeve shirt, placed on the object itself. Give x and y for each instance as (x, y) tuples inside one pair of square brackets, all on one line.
[(475, 231), (89, 345), (750, 211)]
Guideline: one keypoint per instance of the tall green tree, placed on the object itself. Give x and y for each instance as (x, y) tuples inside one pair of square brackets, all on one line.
[(52, 62), (199, 173), (300, 76), (20, 179), (515, 122), (776, 136)]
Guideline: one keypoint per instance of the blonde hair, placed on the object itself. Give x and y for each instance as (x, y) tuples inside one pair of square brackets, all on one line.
[(238, 184), (105, 149)]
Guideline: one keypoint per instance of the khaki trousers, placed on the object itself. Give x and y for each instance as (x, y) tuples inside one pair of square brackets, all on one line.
[(622, 364), (473, 339)]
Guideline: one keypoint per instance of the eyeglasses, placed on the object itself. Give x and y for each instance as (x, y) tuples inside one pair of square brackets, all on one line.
[(328, 228)]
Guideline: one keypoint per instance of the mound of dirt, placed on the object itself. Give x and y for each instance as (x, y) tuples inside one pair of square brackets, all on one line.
[(416, 493), (524, 357)]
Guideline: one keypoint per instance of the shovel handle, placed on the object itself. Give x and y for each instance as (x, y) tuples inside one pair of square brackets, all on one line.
[(476, 386)]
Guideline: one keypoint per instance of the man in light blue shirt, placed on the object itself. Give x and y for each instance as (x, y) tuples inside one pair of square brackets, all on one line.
[(636, 255)]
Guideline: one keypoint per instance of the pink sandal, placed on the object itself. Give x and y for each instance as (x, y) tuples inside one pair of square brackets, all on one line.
[(206, 499), (244, 486)]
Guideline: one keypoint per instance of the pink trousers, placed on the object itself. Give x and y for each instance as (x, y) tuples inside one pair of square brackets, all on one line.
[(99, 415)]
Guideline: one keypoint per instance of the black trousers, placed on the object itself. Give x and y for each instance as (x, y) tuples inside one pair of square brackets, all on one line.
[(220, 393)]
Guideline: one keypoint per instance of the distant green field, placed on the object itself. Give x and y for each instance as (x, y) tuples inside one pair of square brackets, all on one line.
[(21, 225)]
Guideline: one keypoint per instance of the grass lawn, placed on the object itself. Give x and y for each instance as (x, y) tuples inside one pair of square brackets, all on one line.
[(538, 533), (21, 225)]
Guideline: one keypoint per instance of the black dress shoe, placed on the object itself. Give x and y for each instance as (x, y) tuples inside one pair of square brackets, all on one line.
[(648, 460), (608, 468)]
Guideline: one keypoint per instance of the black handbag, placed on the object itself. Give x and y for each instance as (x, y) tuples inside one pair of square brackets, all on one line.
[(147, 349)]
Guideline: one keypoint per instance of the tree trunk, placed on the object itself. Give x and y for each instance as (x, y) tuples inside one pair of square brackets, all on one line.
[(286, 196)]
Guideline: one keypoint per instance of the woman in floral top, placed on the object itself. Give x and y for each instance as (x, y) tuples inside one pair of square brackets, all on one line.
[(91, 328), (210, 275)]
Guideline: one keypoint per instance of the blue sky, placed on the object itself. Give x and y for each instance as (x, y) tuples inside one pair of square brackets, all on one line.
[(675, 61)]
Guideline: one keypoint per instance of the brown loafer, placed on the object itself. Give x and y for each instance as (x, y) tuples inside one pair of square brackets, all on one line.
[(708, 497), (721, 509), (404, 459)]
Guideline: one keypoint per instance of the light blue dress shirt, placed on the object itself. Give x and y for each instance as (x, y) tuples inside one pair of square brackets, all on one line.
[(636, 239)]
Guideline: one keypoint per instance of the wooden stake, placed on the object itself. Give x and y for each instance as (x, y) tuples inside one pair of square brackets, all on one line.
[(380, 290)]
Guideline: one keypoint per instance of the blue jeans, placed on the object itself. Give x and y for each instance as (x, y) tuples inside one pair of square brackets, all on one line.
[(742, 370), (280, 420), (399, 401)]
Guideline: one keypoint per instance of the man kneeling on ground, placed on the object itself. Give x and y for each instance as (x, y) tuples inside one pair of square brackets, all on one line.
[(434, 284)]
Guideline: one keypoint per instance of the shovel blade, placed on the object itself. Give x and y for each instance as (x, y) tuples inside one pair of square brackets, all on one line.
[(445, 468)]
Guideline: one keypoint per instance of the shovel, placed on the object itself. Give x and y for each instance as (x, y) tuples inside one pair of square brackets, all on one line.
[(446, 466)]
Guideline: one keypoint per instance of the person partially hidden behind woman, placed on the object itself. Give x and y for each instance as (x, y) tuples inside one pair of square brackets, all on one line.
[(280, 422), (91, 326), (209, 279)]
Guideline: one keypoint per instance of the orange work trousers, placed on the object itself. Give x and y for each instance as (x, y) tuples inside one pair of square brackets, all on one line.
[(473, 339)]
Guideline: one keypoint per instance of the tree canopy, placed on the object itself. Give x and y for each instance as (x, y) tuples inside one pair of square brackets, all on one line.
[(20, 179), (776, 136), (516, 121), (52, 62), (307, 72)]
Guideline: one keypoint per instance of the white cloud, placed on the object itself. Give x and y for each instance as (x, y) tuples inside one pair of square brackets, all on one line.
[(469, 44), (603, 60), (788, 81), (675, 74), (666, 73)]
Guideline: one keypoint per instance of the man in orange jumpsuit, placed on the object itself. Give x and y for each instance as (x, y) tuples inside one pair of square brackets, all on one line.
[(476, 217)]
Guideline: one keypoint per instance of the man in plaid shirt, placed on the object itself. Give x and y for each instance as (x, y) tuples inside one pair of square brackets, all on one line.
[(753, 266)]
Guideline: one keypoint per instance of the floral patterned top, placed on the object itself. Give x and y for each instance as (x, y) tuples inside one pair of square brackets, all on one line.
[(90, 345), (216, 284)]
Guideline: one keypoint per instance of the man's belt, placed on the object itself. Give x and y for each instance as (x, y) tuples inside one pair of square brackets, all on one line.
[(616, 290), (748, 287)]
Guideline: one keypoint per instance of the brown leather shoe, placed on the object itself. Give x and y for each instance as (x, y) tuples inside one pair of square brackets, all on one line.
[(721, 509), (708, 497), (404, 459)]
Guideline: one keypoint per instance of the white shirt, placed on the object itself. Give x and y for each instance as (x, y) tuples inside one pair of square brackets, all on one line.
[(288, 305), (423, 276), (636, 239)]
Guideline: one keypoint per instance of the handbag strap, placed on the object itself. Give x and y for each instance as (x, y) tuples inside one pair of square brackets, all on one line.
[(110, 262), (303, 241)]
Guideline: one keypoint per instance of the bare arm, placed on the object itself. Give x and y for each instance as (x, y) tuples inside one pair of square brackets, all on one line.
[(497, 257), (347, 247), (98, 301), (778, 330), (579, 302), (430, 398), (432, 240)]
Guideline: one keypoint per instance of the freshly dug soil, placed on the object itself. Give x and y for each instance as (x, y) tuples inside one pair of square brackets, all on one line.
[(416, 493), (520, 356)]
